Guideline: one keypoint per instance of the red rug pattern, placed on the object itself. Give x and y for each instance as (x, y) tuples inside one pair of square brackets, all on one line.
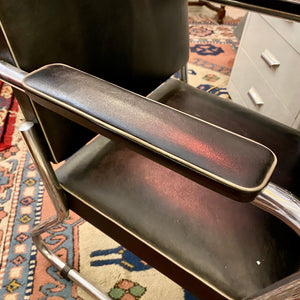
[(8, 115)]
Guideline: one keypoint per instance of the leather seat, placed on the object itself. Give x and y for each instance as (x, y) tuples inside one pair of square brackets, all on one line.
[(234, 246), (225, 240)]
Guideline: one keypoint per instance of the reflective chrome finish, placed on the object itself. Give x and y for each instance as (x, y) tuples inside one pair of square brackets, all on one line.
[(183, 73), (58, 199), (47, 174), (78, 279), (71, 274), (12, 75), (280, 203)]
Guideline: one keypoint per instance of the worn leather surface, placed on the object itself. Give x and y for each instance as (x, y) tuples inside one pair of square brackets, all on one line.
[(283, 140), (235, 246), (206, 149), (135, 44), (226, 238)]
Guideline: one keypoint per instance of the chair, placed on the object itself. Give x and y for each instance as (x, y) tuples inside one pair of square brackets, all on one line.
[(189, 162)]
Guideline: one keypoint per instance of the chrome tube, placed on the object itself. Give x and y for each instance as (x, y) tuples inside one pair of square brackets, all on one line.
[(57, 196), (69, 272), (182, 73), (88, 287), (47, 174), (12, 75), (280, 203)]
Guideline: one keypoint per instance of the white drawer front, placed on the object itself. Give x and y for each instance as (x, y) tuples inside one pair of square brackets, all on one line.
[(253, 88), (289, 30), (284, 79), (235, 94)]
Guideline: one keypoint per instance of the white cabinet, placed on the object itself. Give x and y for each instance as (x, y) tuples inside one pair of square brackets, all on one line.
[(266, 73)]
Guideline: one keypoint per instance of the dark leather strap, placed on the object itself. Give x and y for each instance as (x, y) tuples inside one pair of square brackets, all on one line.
[(222, 157)]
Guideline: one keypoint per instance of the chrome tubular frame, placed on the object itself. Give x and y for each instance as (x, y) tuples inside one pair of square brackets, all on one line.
[(286, 207), (280, 203), (182, 73), (272, 199), (57, 196), (47, 174), (12, 75)]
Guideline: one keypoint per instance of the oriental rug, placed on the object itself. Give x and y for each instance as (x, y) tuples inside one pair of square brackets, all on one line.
[(212, 49), (8, 116), (26, 274)]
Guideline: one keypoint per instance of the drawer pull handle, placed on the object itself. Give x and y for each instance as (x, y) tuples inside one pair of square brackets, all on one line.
[(270, 59), (255, 97)]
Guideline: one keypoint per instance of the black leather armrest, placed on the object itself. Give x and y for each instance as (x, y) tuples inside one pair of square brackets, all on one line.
[(224, 161)]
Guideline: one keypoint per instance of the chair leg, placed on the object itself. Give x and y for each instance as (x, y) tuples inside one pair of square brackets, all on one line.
[(66, 271), (183, 73), (57, 197)]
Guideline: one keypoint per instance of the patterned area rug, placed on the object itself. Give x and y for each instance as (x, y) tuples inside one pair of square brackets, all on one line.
[(8, 115), (26, 274), (212, 49)]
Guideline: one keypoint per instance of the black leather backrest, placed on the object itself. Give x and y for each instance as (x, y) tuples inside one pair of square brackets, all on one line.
[(134, 44)]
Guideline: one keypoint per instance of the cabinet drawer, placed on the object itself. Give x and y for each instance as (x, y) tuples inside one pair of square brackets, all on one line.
[(244, 77), (283, 79), (234, 94), (289, 30)]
